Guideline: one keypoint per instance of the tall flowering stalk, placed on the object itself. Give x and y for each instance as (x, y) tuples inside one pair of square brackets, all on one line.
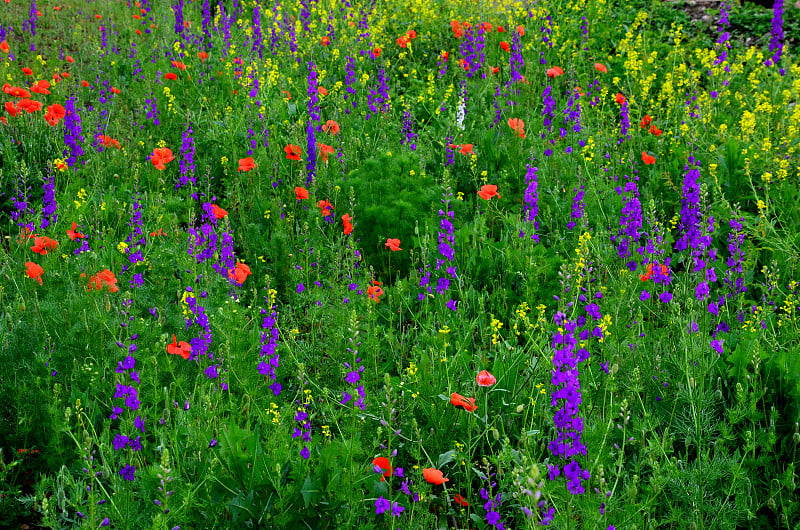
[(269, 358), (350, 77), (313, 123), (472, 51), (258, 39), (444, 266), (776, 42), (73, 133), (30, 24), (177, 10), (516, 62), (187, 159), (408, 135), (531, 202), (353, 376), (49, 205)]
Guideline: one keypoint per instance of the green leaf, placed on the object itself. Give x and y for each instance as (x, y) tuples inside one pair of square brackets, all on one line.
[(445, 458), (311, 491)]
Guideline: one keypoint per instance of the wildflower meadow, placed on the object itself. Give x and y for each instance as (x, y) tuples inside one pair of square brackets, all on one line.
[(332, 264)]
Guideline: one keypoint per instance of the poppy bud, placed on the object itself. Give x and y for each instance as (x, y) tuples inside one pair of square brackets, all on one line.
[(520, 408), (22, 306), (495, 434)]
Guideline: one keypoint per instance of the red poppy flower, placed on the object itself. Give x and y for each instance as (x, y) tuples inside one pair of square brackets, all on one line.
[(501, 29), (331, 127), (34, 271), (554, 72), (374, 291), (73, 235), (646, 121), (104, 278), (40, 87), (324, 151), (115, 90), (495, 69), (322, 90), (137, 17), (159, 233), (385, 466), (465, 149), (393, 244), (179, 65), (506, 47), (325, 207), (434, 476), (44, 245), (11, 108), (648, 159), (460, 500), (300, 193), (5, 47), (619, 98), (411, 34), (518, 126), (601, 68), (484, 378), (182, 348), (521, 30), (170, 76), (654, 130), (160, 157), (348, 225), (98, 17), (458, 29), (488, 191), (108, 141), (402, 41), (445, 56), (293, 152), (240, 273), (218, 212), (27, 71), (54, 114), (459, 401), (376, 52), (84, 83), (203, 56), (246, 164), (325, 41), (486, 27), (17, 92), (29, 105)]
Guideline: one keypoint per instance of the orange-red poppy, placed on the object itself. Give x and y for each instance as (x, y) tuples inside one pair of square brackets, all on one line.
[(488, 191), (44, 245), (393, 244), (646, 121), (518, 126), (434, 476), (619, 98), (246, 164), (505, 46), (331, 127), (73, 235), (170, 76), (385, 466), (459, 401), (84, 83), (69, 59), (322, 90), (5, 47), (27, 71), (601, 68), (240, 273), (55, 113), (108, 141), (654, 130), (218, 212), (11, 108), (324, 151), (521, 30), (464, 149), (458, 29), (348, 225), (486, 27), (300, 193), (461, 501), (203, 56), (34, 271), (325, 207), (325, 41), (411, 34), (104, 278), (403, 41), (495, 69), (182, 348), (179, 65), (648, 159), (40, 87), (374, 291), (161, 156), (484, 378), (554, 72), (29, 105), (376, 52), (293, 152), (445, 56)]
